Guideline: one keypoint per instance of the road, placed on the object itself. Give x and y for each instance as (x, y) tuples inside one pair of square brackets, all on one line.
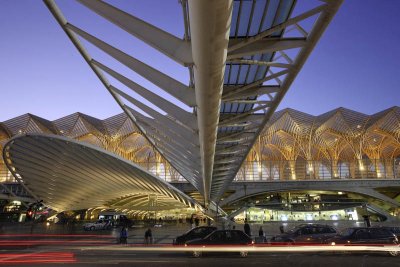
[(71, 257), (21, 246)]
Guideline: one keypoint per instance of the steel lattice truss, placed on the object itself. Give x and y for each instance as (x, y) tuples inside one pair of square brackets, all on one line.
[(242, 57), (338, 135)]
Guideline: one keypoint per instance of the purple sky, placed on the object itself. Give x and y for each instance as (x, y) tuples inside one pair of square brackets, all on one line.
[(356, 64)]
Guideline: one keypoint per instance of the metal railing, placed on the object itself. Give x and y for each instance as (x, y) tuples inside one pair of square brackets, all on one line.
[(318, 170), (15, 188)]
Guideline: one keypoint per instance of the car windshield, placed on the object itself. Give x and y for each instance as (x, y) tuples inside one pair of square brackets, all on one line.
[(195, 230), (187, 232)]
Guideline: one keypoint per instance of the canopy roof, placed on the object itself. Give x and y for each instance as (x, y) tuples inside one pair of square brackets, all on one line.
[(69, 175)]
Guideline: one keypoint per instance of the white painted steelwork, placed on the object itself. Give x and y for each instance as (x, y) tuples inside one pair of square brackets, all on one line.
[(69, 175), (210, 23), (240, 64)]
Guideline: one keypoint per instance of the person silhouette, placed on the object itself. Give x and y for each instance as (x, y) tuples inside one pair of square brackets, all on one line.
[(247, 228), (148, 236), (123, 236)]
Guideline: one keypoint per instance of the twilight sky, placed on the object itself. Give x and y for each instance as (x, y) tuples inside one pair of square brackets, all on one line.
[(356, 63)]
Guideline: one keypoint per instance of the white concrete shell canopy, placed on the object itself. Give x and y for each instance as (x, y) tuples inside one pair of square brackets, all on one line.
[(70, 175)]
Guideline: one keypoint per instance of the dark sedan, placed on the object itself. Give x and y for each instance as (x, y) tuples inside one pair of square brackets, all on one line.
[(221, 238), (394, 229), (197, 232), (366, 236), (306, 233)]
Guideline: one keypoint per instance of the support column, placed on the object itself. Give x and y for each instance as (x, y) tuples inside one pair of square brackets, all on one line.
[(210, 23)]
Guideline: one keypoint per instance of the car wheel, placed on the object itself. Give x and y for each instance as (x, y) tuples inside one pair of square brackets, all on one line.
[(91, 228), (196, 254), (243, 254), (394, 253)]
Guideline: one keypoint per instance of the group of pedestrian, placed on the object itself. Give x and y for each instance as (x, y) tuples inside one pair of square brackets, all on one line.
[(194, 221), (123, 236), (247, 231), (261, 234)]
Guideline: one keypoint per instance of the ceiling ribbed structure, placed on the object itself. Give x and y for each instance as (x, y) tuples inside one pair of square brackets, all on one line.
[(70, 175), (242, 58), (338, 135)]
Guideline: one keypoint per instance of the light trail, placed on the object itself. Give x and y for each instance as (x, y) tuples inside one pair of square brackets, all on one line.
[(35, 258), (253, 249), (54, 235), (50, 242)]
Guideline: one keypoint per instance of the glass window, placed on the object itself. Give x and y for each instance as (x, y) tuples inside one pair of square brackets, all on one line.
[(243, 73), (379, 233), (331, 230), (198, 230), (235, 14), (362, 234), (226, 75), (208, 230), (257, 16), (234, 74), (244, 18), (229, 235), (220, 235)]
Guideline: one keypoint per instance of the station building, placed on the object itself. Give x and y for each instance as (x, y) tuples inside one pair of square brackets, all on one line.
[(340, 165)]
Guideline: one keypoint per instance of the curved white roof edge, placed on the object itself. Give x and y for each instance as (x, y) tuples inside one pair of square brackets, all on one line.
[(69, 175)]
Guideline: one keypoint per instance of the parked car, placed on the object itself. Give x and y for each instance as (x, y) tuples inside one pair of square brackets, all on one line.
[(222, 237), (98, 225), (395, 230), (306, 233), (197, 232), (366, 236)]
